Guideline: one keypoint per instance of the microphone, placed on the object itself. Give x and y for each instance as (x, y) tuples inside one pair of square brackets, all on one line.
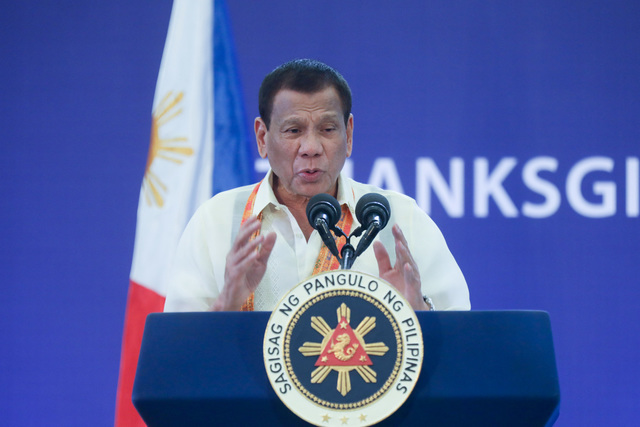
[(373, 212), (323, 213)]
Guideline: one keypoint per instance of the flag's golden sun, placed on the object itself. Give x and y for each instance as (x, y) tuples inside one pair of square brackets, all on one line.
[(171, 149)]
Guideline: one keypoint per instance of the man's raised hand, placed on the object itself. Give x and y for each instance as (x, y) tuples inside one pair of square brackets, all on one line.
[(245, 266), (404, 275)]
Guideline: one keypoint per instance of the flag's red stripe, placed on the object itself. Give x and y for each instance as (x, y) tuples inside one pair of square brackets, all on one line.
[(140, 302)]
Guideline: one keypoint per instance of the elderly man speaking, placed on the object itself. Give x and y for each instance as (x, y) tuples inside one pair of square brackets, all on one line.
[(247, 247)]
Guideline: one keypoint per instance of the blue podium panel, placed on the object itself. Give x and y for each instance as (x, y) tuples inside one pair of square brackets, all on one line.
[(479, 369)]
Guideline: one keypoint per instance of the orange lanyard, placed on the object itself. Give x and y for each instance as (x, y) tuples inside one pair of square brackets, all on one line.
[(325, 261)]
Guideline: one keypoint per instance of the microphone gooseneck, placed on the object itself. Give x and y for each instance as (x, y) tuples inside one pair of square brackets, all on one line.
[(323, 213), (373, 213)]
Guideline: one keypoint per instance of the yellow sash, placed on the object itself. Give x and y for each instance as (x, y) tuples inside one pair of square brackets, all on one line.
[(325, 261)]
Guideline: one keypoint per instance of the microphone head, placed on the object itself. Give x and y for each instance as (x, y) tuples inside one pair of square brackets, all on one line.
[(370, 205), (323, 205)]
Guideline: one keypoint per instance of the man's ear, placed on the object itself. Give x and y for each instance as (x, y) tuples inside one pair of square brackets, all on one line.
[(350, 135), (260, 129)]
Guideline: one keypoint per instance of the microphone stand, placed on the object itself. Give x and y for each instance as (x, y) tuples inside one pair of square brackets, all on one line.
[(348, 252), (348, 256), (369, 234), (325, 235)]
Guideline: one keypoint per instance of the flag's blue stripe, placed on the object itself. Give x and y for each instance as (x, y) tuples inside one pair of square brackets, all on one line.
[(232, 164)]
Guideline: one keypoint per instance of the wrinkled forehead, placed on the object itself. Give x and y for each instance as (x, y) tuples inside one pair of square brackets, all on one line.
[(323, 104)]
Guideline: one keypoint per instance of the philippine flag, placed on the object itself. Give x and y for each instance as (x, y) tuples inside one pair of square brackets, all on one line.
[(197, 101)]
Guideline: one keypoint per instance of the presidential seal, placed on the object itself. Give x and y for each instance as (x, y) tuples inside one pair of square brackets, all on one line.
[(343, 348)]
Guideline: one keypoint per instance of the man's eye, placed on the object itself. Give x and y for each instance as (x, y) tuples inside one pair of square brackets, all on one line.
[(293, 130)]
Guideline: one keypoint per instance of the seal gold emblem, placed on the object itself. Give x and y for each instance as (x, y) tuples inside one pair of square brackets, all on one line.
[(342, 348)]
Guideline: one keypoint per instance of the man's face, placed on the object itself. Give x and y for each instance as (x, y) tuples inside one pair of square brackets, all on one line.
[(307, 142)]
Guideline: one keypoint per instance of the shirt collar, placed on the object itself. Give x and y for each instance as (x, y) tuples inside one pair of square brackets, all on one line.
[(266, 196), (346, 194)]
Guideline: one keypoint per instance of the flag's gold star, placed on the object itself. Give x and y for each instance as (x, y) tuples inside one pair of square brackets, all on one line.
[(324, 358), (343, 325), (326, 418), (363, 417), (344, 420)]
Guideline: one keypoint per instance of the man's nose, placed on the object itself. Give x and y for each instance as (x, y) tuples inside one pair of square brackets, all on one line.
[(311, 145)]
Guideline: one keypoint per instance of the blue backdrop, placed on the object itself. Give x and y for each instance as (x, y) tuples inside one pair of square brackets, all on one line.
[(516, 124)]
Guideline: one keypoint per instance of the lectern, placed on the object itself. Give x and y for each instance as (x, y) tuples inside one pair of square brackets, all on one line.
[(481, 368)]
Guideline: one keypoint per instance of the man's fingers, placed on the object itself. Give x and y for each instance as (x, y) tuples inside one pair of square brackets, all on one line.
[(382, 256), (267, 246), (399, 235), (247, 229), (245, 264), (238, 254), (412, 291), (403, 254), (259, 249), (410, 275), (251, 245)]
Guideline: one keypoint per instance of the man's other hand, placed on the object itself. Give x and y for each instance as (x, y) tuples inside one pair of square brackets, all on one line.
[(245, 266), (404, 275)]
